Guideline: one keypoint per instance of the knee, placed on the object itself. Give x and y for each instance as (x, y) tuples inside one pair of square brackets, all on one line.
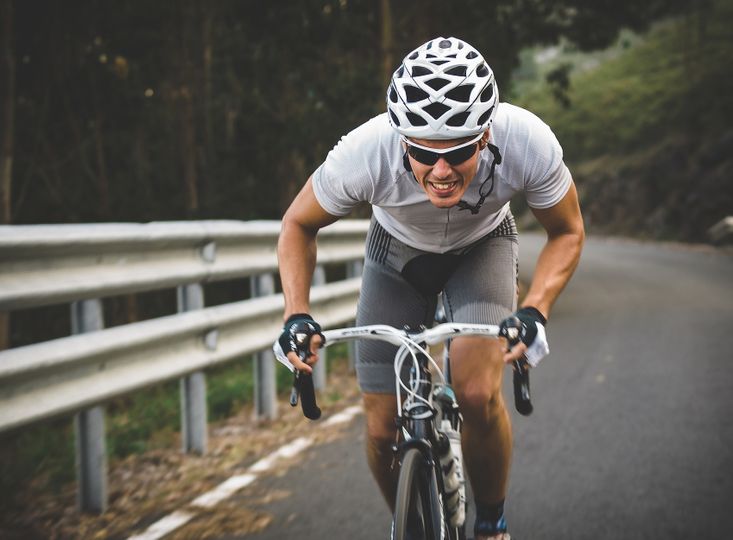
[(381, 429), (480, 401), (477, 380)]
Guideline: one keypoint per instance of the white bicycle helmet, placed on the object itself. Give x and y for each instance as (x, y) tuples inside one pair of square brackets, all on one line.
[(444, 89)]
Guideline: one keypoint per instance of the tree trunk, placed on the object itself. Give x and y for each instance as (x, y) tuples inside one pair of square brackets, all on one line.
[(8, 104), (187, 117), (387, 45), (7, 73)]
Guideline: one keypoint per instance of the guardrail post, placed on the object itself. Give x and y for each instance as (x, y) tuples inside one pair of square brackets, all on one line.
[(264, 361), (194, 434), (321, 367), (353, 269), (91, 448)]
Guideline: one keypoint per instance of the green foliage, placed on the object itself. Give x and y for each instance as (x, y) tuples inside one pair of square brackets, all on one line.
[(646, 130)]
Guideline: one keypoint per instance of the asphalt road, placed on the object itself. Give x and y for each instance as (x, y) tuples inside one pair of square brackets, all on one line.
[(632, 434)]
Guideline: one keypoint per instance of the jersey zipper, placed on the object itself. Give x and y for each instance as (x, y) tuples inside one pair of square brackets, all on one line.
[(447, 223)]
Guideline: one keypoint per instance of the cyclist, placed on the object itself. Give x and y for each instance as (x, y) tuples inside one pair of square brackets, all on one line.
[(439, 168)]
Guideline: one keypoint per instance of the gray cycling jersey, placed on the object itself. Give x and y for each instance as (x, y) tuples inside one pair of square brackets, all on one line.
[(367, 166)]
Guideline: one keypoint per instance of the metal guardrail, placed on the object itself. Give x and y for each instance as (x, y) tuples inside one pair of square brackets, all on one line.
[(722, 231), (68, 374), (50, 264)]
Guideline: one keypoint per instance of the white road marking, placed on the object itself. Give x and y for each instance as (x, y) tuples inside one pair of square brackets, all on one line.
[(344, 416), (173, 521), (164, 526), (224, 490)]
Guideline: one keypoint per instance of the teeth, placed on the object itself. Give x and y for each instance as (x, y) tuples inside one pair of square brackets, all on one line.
[(443, 186)]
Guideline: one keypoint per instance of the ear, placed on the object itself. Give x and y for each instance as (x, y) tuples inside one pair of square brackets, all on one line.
[(484, 140)]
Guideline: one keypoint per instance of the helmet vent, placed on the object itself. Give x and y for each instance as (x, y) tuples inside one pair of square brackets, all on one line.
[(416, 120), (413, 93), (457, 120), (400, 71), (395, 121), (460, 93), (484, 117), (445, 44), (436, 110), (437, 84), (487, 93), (471, 55), (392, 94), (458, 70), (419, 70), (414, 55), (439, 62), (482, 71)]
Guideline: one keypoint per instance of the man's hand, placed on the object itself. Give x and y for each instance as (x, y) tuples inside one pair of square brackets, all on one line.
[(299, 331), (531, 333)]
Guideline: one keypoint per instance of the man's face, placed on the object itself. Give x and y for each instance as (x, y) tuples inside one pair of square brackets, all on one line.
[(444, 183)]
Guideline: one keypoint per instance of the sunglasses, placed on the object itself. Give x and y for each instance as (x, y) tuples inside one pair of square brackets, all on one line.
[(455, 155)]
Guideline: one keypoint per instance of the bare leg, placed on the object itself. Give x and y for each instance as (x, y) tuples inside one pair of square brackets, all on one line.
[(381, 410), (477, 369)]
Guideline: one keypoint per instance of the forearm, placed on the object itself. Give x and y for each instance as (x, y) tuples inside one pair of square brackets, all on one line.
[(296, 253), (554, 268)]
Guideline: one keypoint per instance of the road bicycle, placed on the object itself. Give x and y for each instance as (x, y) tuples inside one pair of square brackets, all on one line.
[(430, 502)]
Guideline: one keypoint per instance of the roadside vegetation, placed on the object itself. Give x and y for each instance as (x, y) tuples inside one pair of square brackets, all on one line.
[(43, 455), (645, 125)]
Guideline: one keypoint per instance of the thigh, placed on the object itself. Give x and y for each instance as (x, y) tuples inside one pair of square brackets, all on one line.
[(386, 298), (483, 289)]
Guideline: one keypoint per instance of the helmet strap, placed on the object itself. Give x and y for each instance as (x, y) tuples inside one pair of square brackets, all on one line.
[(406, 163), (483, 193)]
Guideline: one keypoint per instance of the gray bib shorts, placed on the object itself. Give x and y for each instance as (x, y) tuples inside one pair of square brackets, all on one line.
[(400, 286)]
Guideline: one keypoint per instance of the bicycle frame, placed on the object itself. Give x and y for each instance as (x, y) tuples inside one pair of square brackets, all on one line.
[(416, 413)]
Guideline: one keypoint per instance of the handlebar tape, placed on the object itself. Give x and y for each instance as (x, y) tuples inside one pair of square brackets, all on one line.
[(522, 398), (308, 397), (303, 388)]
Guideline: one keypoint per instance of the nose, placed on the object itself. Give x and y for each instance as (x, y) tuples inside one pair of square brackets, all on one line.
[(442, 168)]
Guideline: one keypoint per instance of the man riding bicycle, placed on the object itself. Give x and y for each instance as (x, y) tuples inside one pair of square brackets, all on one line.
[(439, 168)]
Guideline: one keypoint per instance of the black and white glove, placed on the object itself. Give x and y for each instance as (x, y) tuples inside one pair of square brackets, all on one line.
[(532, 333), (295, 337)]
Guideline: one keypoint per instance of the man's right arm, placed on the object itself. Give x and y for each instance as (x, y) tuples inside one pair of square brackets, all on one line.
[(296, 253)]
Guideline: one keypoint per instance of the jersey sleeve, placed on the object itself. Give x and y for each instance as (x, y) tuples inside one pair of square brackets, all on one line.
[(346, 177), (547, 178)]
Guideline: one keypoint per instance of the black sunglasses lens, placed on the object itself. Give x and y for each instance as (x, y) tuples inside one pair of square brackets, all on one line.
[(455, 157), (426, 157)]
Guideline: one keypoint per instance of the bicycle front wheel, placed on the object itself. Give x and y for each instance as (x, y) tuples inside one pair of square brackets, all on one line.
[(418, 509)]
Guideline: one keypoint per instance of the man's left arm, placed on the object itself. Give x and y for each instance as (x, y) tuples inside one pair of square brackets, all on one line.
[(563, 223)]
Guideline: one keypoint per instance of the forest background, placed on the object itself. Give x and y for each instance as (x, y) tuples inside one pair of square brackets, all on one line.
[(138, 111)]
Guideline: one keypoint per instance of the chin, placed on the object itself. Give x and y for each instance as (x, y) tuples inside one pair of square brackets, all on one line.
[(445, 203)]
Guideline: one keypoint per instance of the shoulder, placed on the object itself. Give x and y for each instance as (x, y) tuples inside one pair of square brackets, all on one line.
[(515, 122), (372, 136), (371, 149)]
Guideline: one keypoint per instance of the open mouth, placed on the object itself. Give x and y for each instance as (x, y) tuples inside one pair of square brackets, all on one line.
[(443, 189)]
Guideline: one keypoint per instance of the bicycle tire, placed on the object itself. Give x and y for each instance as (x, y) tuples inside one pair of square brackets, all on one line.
[(418, 508)]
